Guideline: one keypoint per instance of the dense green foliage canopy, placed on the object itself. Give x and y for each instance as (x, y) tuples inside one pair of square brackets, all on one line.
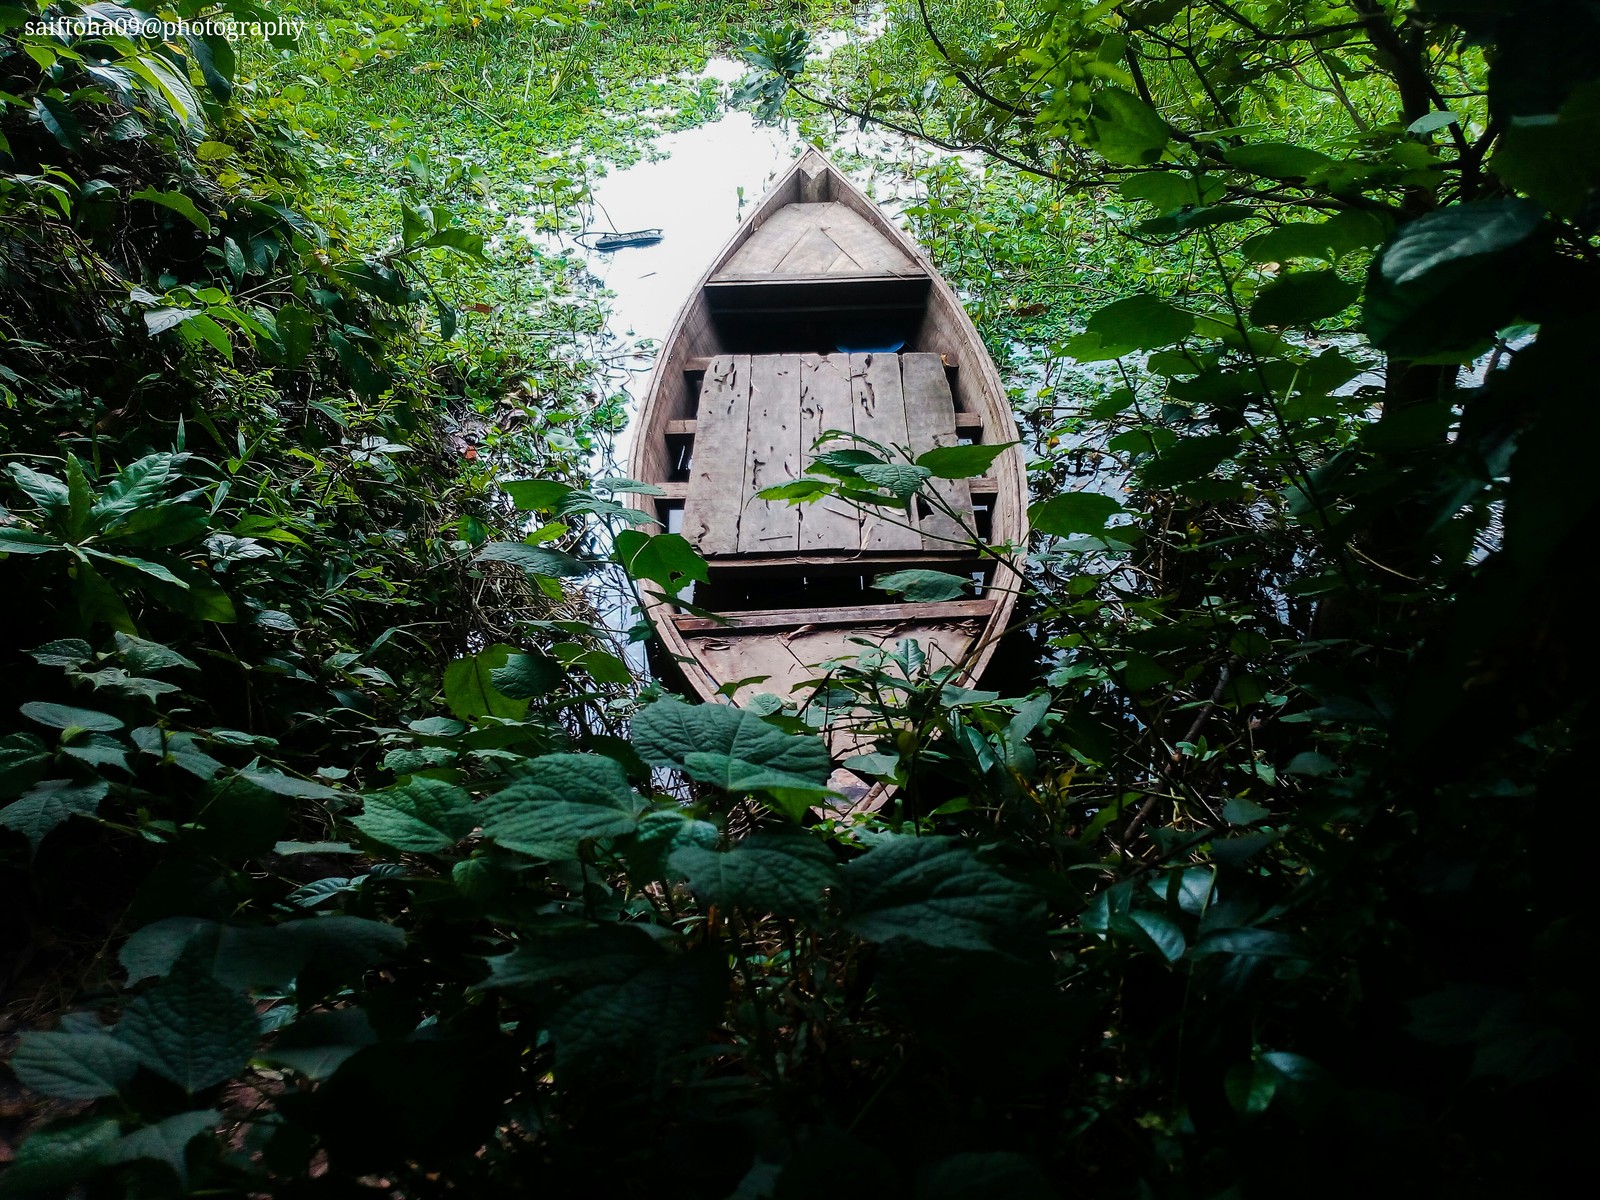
[(342, 854)]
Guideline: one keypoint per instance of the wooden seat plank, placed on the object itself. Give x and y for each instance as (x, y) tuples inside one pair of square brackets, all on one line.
[(772, 455), (880, 414), (712, 509), (931, 423), (829, 524)]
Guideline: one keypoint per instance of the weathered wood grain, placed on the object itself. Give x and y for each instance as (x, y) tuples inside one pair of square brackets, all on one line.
[(712, 510), (772, 455), (880, 414), (829, 524), (931, 423)]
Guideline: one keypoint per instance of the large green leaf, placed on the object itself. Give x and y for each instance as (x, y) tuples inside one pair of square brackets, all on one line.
[(1447, 281), (74, 1066), (1301, 297), (564, 799), (729, 747), (61, 716), (135, 486), (48, 804), (317, 1044), (961, 462), (935, 891), (540, 560), (1143, 322), (920, 586), (525, 676), (780, 871), (666, 558), (469, 687), (1126, 129), (1073, 512), (421, 816), (262, 956), (167, 1141), (1279, 160), (26, 541), (1189, 459), (190, 1029), (52, 1159)]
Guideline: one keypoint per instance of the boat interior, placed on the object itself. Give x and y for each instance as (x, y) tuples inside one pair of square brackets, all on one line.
[(822, 318)]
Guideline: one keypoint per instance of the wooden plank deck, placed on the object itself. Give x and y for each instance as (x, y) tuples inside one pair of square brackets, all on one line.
[(758, 419), (816, 239), (772, 454), (880, 415), (931, 423), (710, 520), (825, 404)]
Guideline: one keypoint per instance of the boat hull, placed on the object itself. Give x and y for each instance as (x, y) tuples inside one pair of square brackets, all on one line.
[(758, 364)]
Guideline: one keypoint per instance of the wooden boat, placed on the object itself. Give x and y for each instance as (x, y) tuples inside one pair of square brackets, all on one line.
[(820, 315)]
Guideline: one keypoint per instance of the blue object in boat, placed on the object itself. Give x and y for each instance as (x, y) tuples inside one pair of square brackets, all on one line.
[(888, 348)]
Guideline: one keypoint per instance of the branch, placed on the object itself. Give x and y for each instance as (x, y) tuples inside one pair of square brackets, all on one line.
[(972, 85)]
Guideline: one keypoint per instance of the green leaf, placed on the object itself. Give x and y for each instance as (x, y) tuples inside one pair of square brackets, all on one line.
[(52, 1159), (135, 486), (935, 891), (1450, 279), (1555, 158), (1279, 160), (1143, 322), (48, 492), (262, 956), (526, 676), (469, 686), (613, 991), (1162, 931), (23, 757), (159, 320), (167, 1141), (902, 479), (178, 203), (74, 1066), (782, 872), (145, 657), (191, 1030), (541, 560), (961, 462), (921, 586), (1250, 1087), (1073, 512), (60, 716), (1126, 129), (26, 541), (1241, 811), (280, 784), (566, 799), (49, 804), (535, 495), (1302, 297), (1329, 240), (1188, 459), (422, 816), (317, 1044), (666, 558), (730, 747)]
